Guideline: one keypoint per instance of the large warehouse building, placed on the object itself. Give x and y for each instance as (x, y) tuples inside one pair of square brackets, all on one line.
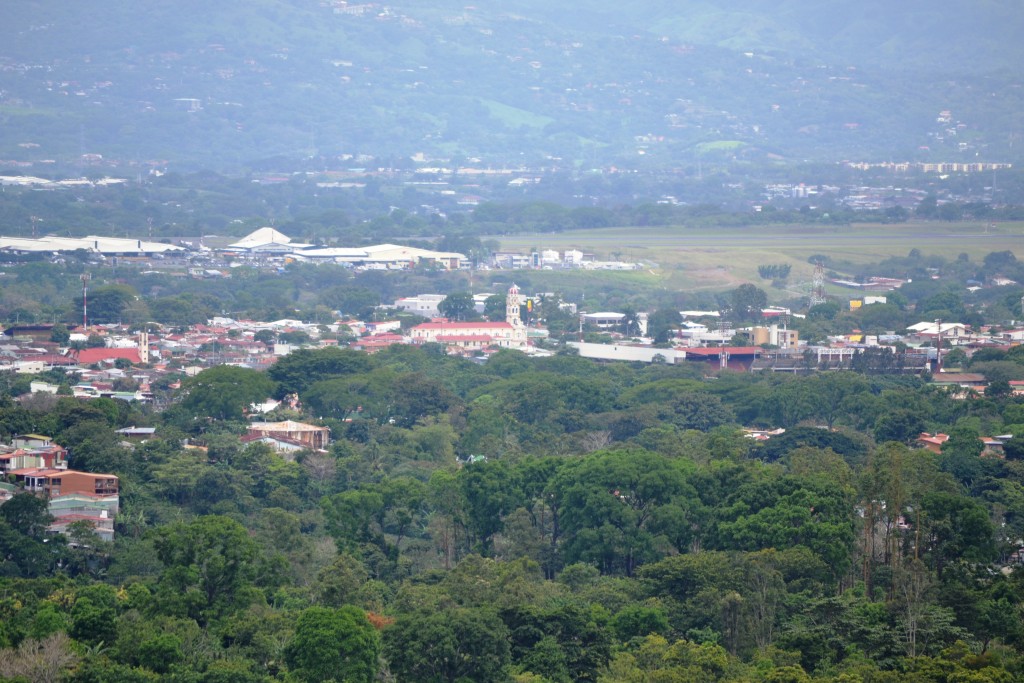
[(107, 246)]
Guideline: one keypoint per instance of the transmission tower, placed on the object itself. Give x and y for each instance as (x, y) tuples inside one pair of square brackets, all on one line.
[(817, 286), (723, 326)]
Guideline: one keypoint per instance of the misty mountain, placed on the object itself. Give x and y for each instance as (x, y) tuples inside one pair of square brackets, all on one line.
[(639, 83), (953, 36)]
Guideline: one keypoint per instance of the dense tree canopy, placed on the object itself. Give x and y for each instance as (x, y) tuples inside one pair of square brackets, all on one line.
[(529, 519), (333, 644), (225, 392)]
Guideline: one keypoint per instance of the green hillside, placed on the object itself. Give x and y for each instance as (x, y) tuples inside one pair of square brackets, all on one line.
[(228, 84), (961, 36)]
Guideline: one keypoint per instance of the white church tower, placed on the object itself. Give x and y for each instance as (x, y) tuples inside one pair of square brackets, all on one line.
[(518, 336), (512, 316)]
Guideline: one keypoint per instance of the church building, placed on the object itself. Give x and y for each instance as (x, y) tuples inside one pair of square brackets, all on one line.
[(461, 337)]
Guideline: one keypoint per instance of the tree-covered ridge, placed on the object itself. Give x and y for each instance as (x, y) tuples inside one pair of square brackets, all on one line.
[(227, 84), (528, 519)]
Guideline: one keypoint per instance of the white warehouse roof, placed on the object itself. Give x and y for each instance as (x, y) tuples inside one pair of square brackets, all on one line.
[(260, 237), (93, 243)]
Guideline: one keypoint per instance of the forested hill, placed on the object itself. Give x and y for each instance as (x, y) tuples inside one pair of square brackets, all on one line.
[(953, 36), (644, 82), (526, 520)]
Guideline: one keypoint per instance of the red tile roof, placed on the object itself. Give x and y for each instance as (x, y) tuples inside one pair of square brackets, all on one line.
[(77, 517), (958, 378), (937, 439), (48, 358), (97, 355), (463, 326), (34, 471)]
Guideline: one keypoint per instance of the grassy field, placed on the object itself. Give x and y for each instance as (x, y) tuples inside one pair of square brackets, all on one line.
[(514, 116), (722, 258)]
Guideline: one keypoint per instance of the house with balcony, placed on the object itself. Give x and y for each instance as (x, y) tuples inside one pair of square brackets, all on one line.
[(73, 496), (53, 482), (22, 459), (31, 441)]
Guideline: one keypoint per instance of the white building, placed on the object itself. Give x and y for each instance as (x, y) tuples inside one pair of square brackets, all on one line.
[(266, 241), (425, 305), (627, 352), (550, 257), (107, 246), (573, 257), (947, 330), (605, 320)]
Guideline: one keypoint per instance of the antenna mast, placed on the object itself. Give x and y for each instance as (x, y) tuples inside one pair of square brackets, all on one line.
[(85, 305)]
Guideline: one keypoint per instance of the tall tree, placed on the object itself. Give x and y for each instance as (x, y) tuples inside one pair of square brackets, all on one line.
[(333, 644), (662, 323), (447, 646), (298, 370), (609, 501), (208, 564), (747, 301), (495, 307), (225, 392), (27, 514), (457, 306), (109, 303)]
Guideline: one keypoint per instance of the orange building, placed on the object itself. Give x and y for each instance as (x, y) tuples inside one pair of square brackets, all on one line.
[(932, 442), (61, 482)]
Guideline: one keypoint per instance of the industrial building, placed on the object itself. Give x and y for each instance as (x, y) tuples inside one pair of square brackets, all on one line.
[(106, 246), (269, 242)]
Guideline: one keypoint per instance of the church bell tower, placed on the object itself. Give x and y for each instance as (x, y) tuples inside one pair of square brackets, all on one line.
[(512, 307)]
